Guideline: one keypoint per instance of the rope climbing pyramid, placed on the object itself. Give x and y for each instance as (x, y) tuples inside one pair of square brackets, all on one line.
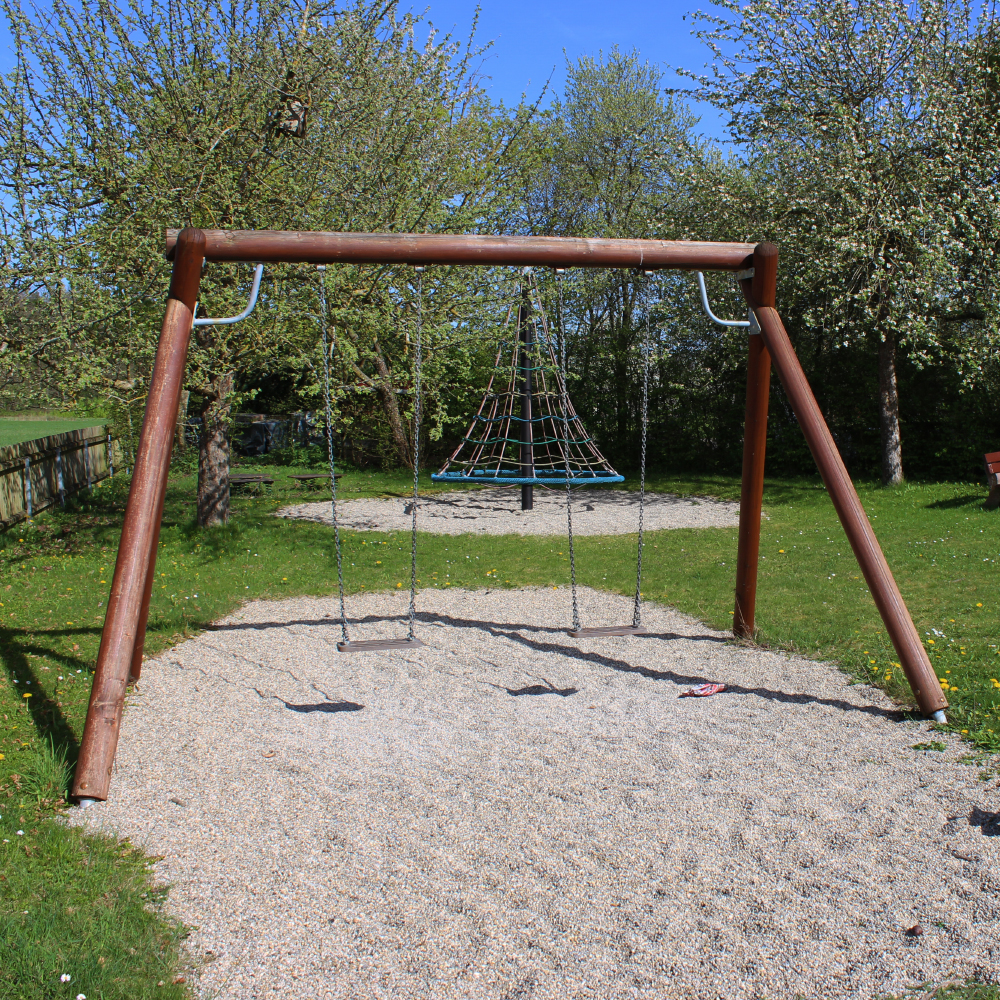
[(528, 434)]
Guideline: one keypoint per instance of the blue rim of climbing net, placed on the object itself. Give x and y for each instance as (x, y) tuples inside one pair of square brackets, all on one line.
[(556, 479)]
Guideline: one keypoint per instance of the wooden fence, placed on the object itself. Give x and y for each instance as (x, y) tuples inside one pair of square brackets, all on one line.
[(36, 474)]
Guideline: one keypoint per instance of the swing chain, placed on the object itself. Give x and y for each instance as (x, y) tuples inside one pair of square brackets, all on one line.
[(333, 470), (637, 610), (565, 409), (417, 363)]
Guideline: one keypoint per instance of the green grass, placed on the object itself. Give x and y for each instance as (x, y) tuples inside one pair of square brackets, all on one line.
[(82, 906), (16, 431), (942, 546), (955, 991)]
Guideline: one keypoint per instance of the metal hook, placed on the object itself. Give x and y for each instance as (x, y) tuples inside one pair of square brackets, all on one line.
[(243, 315), (708, 309)]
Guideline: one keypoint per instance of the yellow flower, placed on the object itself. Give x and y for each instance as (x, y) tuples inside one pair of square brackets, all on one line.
[(399, 585), (980, 604), (69, 623), (930, 642), (781, 550), (284, 578), (27, 694), (1, 756), (965, 730)]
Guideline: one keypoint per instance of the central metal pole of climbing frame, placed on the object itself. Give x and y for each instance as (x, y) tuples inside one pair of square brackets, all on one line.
[(526, 335)]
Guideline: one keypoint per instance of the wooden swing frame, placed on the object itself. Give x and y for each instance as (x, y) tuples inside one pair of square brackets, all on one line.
[(756, 267)]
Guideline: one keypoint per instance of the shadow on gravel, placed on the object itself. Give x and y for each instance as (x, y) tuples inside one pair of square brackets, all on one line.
[(427, 618), (988, 822), (325, 706), (514, 632), (545, 688)]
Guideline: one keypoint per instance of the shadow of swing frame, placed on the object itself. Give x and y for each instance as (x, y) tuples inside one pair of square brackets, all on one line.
[(756, 269)]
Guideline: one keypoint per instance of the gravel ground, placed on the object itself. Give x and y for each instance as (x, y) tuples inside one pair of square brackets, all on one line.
[(495, 511), (508, 813)]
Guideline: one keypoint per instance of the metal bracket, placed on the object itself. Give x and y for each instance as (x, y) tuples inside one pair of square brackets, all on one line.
[(752, 323), (243, 315), (744, 275), (708, 309)]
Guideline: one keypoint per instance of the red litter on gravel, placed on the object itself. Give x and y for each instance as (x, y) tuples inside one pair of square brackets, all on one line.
[(702, 691)]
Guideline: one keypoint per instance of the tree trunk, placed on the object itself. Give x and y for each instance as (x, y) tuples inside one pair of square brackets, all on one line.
[(892, 452), (213, 453), (390, 401)]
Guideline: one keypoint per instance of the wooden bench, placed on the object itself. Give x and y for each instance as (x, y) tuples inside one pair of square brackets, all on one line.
[(992, 460), (313, 480), (248, 480)]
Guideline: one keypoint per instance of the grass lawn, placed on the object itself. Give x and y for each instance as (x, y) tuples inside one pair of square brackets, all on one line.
[(943, 548), (16, 431)]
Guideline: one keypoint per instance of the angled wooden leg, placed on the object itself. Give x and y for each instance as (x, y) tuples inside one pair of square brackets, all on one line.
[(898, 624), (140, 528)]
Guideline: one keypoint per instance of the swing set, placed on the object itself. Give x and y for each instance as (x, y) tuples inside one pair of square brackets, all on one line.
[(755, 268)]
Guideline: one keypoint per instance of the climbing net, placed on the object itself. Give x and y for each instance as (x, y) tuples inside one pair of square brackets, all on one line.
[(528, 433)]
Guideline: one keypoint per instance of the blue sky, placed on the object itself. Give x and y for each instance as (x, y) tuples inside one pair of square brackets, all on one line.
[(530, 37)]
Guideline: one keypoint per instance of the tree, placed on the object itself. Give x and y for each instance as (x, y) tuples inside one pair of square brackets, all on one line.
[(613, 159), (264, 115), (877, 123)]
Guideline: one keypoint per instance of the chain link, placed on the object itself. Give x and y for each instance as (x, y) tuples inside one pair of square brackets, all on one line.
[(417, 364), (333, 468), (565, 409), (637, 609)]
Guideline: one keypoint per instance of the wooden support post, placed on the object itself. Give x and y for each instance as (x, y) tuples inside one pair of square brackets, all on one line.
[(754, 445), (867, 551), (140, 527), (135, 671), (765, 263)]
